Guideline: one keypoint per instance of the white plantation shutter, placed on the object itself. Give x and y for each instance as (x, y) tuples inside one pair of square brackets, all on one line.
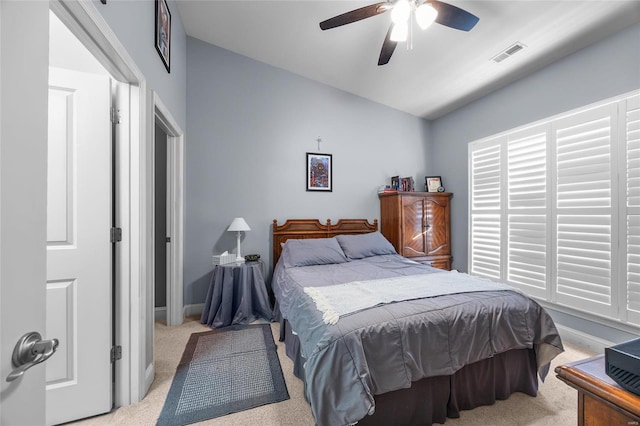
[(485, 232), (527, 169), (555, 209), (527, 263), (632, 134), (485, 245), (527, 201), (583, 208), (485, 177)]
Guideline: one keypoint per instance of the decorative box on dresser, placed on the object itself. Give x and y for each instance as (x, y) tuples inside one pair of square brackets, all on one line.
[(418, 224)]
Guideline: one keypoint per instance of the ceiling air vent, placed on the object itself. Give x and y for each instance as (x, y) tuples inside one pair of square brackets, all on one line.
[(509, 51)]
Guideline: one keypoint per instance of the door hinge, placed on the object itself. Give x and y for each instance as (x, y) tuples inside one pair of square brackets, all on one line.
[(168, 239), (116, 235), (116, 353), (115, 115)]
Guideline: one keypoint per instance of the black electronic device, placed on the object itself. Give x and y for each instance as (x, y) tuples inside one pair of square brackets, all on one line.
[(252, 257), (622, 364)]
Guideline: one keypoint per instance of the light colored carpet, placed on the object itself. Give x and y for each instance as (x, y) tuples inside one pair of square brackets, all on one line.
[(555, 405)]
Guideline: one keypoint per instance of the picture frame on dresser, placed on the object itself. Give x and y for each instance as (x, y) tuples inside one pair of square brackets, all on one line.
[(432, 183), (395, 183), (319, 172)]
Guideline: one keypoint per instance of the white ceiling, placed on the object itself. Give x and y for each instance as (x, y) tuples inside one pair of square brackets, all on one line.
[(446, 68)]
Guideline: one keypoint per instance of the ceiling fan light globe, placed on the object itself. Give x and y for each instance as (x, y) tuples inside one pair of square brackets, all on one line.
[(400, 12), (425, 15), (399, 32)]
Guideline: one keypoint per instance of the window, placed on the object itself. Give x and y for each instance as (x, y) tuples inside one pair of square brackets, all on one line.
[(553, 212)]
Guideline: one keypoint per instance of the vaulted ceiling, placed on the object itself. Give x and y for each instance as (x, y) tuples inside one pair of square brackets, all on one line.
[(444, 69)]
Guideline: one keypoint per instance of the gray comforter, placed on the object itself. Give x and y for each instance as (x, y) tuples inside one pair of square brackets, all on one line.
[(387, 347)]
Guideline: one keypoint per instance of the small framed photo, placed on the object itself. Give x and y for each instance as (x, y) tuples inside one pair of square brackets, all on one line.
[(163, 33), (432, 183), (319, 172), (395, 183)]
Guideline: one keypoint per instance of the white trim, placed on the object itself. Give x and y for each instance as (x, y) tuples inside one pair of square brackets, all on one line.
[(145, 267), (4, 355), (594, 344), (193, 310), (590, 316), (160, 314)]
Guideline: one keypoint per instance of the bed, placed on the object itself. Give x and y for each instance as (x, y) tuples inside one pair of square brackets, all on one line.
[(380, 339)]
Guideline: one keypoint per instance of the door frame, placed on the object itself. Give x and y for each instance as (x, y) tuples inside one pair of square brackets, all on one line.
[(134, 196), (175, 203)]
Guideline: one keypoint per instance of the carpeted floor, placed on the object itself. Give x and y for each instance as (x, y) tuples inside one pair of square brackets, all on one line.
[(555, 405)]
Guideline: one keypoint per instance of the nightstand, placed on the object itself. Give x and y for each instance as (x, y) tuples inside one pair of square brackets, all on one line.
[(601, 401), (237, 295)]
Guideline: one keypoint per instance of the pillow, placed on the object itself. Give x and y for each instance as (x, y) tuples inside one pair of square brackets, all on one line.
[(365, 245), (313, 251)]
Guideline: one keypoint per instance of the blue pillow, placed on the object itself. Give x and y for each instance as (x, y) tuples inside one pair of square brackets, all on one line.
[(359, 246), (312, 251)]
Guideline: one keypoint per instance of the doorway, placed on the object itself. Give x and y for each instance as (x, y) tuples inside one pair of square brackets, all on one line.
[(162, 237), (169, 152)]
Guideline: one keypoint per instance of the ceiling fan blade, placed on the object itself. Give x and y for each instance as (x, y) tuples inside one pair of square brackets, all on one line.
[(454, 17), (387, 48), (355, 15)]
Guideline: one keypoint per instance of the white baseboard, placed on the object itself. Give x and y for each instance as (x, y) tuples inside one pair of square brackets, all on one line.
[(193, 310), (594, 344), (160, 314)]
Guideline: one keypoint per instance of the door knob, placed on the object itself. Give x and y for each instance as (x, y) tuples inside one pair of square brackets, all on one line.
[(29, 351)]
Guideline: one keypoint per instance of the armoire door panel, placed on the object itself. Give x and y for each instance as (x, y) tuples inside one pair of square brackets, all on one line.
[(437, 230), (413, 227)]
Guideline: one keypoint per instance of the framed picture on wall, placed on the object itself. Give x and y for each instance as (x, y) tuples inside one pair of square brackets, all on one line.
[(319, 172), (163, 33)]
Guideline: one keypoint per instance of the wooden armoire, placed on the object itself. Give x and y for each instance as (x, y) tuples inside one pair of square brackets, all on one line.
[(418, 224)]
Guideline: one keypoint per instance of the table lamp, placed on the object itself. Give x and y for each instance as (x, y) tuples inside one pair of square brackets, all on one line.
[(238, 225)]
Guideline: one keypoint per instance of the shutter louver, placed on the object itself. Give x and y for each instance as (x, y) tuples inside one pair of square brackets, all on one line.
[(485, 245), (584, 257), (632, 130), (527, 264), (633, 263), (633, 158), (527, 172), (527, 192), (584, 215), (485, 175)]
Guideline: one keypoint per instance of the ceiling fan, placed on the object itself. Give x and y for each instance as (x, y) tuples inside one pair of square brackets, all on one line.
[(425, 11)]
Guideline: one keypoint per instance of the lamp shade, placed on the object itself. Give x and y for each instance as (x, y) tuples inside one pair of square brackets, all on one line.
[(238, 224)]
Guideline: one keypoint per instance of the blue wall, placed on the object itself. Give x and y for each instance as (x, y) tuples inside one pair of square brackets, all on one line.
[(249, 126), (133, 21)]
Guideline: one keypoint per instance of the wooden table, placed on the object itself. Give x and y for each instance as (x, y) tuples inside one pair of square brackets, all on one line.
[(600, 400)]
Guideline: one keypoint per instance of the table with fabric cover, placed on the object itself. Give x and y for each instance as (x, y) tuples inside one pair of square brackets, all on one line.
[(237, 295)]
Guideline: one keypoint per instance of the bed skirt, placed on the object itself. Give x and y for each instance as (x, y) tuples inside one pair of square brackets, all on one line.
[(433, 399)]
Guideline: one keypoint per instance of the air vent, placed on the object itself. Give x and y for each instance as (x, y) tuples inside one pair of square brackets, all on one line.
[(509, 51)]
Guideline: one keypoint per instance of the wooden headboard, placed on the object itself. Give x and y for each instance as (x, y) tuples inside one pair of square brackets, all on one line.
[(312, 228)]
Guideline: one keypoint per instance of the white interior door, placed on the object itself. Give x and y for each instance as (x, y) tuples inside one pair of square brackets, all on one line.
[(23, 164), (78, 292)]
